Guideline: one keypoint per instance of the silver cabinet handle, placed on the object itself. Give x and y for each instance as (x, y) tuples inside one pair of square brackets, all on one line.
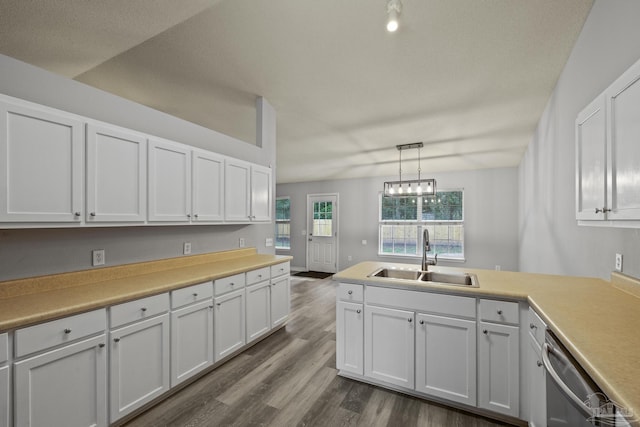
[(350, 292), (231, 284), (67, 331), (410, 320), (77, 214), (210, 307), (358, 311), (422, 322), (101, 345), (116, 340), (500, 312), (93, 214), (196, 215), (195, 294), (218, 303), (484, 331), (143, 309), (532, 326), (539, 363)]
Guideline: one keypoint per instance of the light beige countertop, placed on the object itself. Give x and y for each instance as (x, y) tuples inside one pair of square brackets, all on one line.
[(27, 301), (598, 321)]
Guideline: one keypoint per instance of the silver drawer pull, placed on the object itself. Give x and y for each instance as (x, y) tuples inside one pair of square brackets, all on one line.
[(422, 322), (532, 326), (358, 311), (350, 292), (218, 303), (500, 312), (76, 214), (101, 345), (231, 284), (93, 214), (67, 331), (143, 309), (410, 320), (211, 307), (484, 331), (116, 340), (195, 294)]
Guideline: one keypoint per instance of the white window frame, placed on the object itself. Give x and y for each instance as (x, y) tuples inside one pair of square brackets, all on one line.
[(282, 221), (419, 223)]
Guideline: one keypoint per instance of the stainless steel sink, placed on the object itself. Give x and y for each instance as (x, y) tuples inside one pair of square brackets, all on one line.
[(433, 277)]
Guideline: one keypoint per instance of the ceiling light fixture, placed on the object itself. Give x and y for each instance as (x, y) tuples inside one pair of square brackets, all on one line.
[(424, 187), (393, 10)]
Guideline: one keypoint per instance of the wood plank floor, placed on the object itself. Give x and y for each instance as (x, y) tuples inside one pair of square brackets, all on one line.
[(289, 379)]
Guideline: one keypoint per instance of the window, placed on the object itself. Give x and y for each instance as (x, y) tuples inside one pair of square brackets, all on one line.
[(323, 219), (403, 219), (283, 223)]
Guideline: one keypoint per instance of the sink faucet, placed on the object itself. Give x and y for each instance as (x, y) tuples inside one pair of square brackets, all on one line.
[(426, 248)]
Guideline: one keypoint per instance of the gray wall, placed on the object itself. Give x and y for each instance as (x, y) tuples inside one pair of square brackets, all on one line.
[(26, 253), (550, 240), (490, 209)]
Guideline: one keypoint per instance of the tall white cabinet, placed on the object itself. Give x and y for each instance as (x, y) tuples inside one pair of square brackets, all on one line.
[(41, 165), (116, 175)]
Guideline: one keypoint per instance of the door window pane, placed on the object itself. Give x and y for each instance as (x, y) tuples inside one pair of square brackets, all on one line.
[(323, 219)]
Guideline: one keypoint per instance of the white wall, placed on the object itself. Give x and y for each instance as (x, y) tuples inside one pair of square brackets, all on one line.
[(550, 240), (490, 209), (25, 253)]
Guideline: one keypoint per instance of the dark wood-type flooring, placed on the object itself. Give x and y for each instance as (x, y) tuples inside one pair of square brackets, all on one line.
[(290, 379)]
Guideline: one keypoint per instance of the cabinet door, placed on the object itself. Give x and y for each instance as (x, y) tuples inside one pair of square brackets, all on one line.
[(623, 157), (116, 175), (41, 165), (207, 187), (4, 396), (229, 333), (537, 386), (446, 358), (261, 193), (169, 182), (350, 337), (389, 345), (258, 310), (65, 387), (279, 301), (499, 368), (591, 161), (191, 340), (139, 364), (237, 190)]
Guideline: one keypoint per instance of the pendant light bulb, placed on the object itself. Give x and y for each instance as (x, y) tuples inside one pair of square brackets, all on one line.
[(400, 189), (393, 10), (419, 189)]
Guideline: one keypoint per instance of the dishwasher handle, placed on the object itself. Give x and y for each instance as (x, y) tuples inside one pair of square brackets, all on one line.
[(546, 349)]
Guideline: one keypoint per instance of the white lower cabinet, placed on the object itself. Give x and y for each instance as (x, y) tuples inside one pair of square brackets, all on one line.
[(229, 323), (279, 300), (65, 387), (350, 337), (258, 310), (499, 368), (537, 386), (446, 358), (139, 368), (389, 345), (191, 340), (4, 396)]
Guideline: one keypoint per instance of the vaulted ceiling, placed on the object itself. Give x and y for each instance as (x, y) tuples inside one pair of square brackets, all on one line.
[(469, 78)]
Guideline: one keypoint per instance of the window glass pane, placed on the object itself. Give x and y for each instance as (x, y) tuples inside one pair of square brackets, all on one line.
[(399, 208), (446, 239), (444, 206), (283, 207), (399, 239), (322, 227), (283, 233)]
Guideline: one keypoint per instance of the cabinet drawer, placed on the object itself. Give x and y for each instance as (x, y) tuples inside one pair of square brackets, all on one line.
[(139, 309), (536, 326), (228, 284), (499, 311), (51, 334), (4, 347), (191, 294), (280, 269), (350, 292), (424, 302), (259, 275)]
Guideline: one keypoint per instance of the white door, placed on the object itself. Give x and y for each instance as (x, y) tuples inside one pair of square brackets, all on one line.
[(261, 193), (258, 310), (350, 337), (63, 388), (116, 175), (169, 182), (229, 329), (446, 358), (279, 300), (191, 340), (499, 368), (389, 345), (322, 223), (41, 165), (207, 186), (237, 190), (139, 364)]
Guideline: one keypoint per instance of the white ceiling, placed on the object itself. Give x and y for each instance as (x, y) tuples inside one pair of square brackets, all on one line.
[(469, 78)]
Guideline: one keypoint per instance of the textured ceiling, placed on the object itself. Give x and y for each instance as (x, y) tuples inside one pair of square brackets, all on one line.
[(469, 78)]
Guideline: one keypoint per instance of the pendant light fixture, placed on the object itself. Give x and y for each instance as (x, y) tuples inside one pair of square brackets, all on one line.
[(394, 7), (400, 188)]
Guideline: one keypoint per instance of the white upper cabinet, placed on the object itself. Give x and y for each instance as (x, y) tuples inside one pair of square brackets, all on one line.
[(623, 155), (41, 164), (237, 190), (169, 182), (261, 193), (207, 186), (608, 155), (116, 175), (591, 160)]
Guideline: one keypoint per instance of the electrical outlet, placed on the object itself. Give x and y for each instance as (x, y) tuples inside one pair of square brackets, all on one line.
[(241, 242), (364, 242), (498, 267), (619, 262), (186, 249), (98, 257)]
